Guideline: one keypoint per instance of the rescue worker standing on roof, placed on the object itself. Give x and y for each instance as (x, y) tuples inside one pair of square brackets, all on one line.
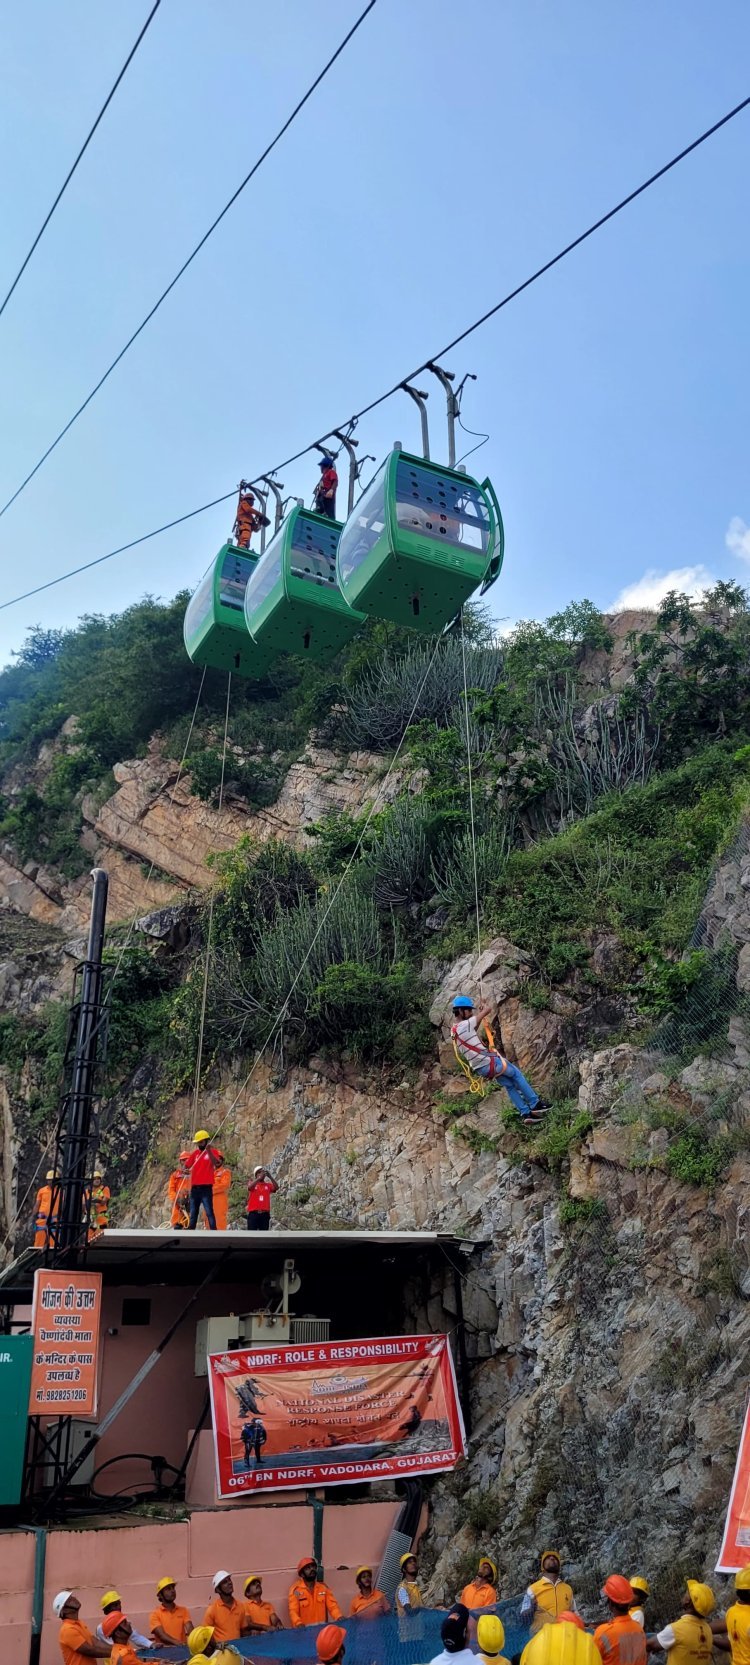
[(178, 1192), (325, 491), (549, 1596), (486, 1061), (259, 1196), (222, 1187), (310, 1600), (201, 1164), (249, 519), (44, 1219), (620, 1640), (99, 1202), (688, 1640)]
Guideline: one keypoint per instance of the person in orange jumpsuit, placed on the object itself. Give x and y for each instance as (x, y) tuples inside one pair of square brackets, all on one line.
[(222, 1185), (249, 519), (73, 1635), (118, 1630), (310, 1600), (178, 1191), (370, 1603), (482, 1591), (44, 1220), (98, 1203), (259, 1614), (621, 1640), (169, 1622), (225, 1614)]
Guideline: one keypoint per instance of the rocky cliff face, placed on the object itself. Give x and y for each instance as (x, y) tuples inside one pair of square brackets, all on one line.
[(605, 1302)]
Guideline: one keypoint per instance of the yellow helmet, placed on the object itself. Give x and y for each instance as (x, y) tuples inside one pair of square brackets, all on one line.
[(109, 1598), (490, 1563), (365, 1568), (164, 1584), (490, 1633), (409, 1556), (701, 1596), (251, 1577), (638, 1582), (50, 1173), (546, 1552), (201, 1134), (198, 1638), (742, 1579)]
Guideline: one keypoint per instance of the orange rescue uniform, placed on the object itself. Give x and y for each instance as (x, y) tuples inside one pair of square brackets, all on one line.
[(249, 520), (42, 1219), (71, 1634), (311, 1606), (226, 1620), (479, 1594), (373, 1606), (621, 1641), (222, 1183), (175, 1622), (260, 1614), (123, 1654), (178, 1192)]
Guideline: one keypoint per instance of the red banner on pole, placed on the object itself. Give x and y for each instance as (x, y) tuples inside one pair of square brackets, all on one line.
[(735, 1548), (65, 1319), (333, 1412)]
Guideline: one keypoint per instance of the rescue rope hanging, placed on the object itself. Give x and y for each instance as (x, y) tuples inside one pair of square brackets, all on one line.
[(209, 932), (278, 1020), (471, 798)]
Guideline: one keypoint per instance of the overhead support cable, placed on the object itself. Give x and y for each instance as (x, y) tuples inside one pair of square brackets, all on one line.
[(399, 385), (299, 106), (79, 157)]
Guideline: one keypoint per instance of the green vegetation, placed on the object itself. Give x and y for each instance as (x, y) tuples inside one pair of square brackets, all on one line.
[(607, 823)]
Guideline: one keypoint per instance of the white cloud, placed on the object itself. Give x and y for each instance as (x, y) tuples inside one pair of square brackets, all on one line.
[(649, 591), (737, 538)]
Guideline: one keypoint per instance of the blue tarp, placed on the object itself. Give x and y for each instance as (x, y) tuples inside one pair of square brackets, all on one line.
[(411, 1640)]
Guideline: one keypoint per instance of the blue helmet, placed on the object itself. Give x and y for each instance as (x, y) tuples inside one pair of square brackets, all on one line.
[(463, 1003), (326, 462)]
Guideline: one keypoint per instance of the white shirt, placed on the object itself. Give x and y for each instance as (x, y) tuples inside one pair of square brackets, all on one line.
[(666, 1638), (463, 1657), (471, 1047)]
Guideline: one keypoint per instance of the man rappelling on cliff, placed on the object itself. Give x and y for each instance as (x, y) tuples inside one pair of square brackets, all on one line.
[(483, 1059)]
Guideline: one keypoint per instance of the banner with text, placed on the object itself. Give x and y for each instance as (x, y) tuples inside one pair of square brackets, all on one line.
[(735, 1549), (65, 1322), (334, 1412)]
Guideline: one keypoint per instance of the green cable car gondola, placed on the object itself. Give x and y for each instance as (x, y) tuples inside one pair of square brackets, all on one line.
[(419, 542), (292, 601), (214, 631)]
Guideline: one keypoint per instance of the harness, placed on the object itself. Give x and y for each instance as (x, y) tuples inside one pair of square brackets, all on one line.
[(478, 1083)]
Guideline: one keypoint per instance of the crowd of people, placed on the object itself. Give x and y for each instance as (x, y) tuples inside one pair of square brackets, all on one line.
[(201, 1182), (471, 1630)]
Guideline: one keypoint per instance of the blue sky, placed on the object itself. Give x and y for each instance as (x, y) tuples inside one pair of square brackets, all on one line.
[(451, 150)]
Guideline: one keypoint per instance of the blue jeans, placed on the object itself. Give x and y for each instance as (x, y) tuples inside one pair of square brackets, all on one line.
[(519, 1090), (202, 1196)]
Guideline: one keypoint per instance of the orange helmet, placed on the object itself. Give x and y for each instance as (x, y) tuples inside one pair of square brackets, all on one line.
[(330, 1641), (619, 1590)]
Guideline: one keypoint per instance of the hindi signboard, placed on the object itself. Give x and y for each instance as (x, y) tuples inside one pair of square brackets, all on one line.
[(735, 1548), (65, 1323), (330, 1413)]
